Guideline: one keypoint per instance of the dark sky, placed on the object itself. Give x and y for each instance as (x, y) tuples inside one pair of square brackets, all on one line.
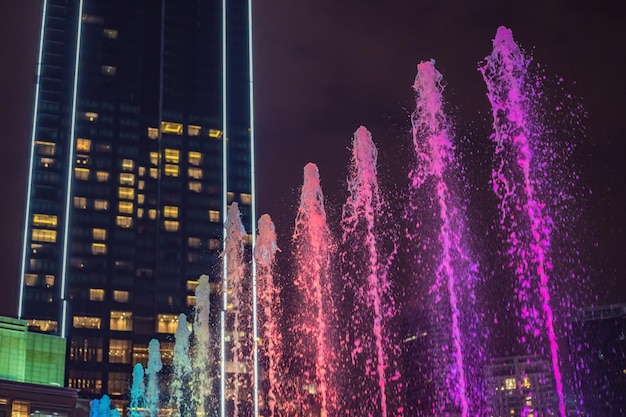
[(324, 67)]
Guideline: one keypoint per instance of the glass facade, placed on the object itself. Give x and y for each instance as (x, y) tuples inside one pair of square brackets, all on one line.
[(142, 137)]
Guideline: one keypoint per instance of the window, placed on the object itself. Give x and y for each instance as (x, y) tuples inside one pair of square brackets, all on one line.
[(141, 184), (96, 294), (121, 321), (152, 214), (109, 70), (140, 213), (80, 202), (195, 158), (510, 384), (193, 130), (43, 325), (81, 173), (141, 198), (230, 196), (195, 186), (101, 204), (120, 296), (126, 178), (154, 173), (128, 164), (170, 211), (44, 235), (246, 198), (45, 148), (118, 383), (193, 242), (215, 244), (85, 322), (170, 225), (191, 300), (30, 280), (83, 145), (46, 220), (214, 216), (153, 133), (89, 115), (171, 170), (20, 409), (192, 285), (142, 171), (125, 207), (154, 158), (215, 133), (126, 193), (120, 351), (167, 323), (124, 221), (99, 234), (98, 248), (171, 127), (110, 33), (92, 18), (49, 280), (140, 351), (172, 156), (102, 176), (195, 173)]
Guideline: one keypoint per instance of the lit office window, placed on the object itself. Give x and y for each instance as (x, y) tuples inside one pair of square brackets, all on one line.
[(101, 204), (154, 173), (45, 148), (82, 160), (109, 70), (171, 170), (49, 280), (172, 156), (195, 173), (83, 145), (215, 244), (171, 226), (152, 213), (154, 158), (81, 173), (126, 178), (247, 239), (110, 33), (30, 280), (140, 213), (191, 301), (85, 322), (153, 133), (215, 133), (192, 285), (128, 164), (124, 221), (195, 158), (125, 207), (142, 171), (170, 211), (90, 116), (43, 325), (46, 220), (214, 216), (121, 321), (171, 127), (126, 193), (120, 351), (141, 198), (141, 184), (246, 198), (99, 234), (120, 296), (167, 323), (230, 196), (19, 409), (96, 294), (193, 130), (80, 202), (140, 351), (44, 235), (102, 176), (195, 186), (98, 248), (193, 242)]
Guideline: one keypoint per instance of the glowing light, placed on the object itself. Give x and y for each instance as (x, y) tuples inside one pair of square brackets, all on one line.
[(224, 210)]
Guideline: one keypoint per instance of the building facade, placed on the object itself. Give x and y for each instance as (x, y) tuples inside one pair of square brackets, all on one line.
[(142, 137)]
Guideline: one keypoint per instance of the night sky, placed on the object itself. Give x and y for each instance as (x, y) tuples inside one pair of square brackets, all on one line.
[(325, 67)]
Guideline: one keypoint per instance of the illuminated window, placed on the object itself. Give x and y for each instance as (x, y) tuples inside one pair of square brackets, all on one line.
[(214, 216), (247, 239), (195, 173), (154, 158), (126, 178), (45, 148), (49, 280), (195, 186), (89, 115), (215, 244), (47, 162), (195, 158), (19, 409), (125, 207), (526, 382), (172, 156), (128, 164), (43, 325), (92, 18), (120, 296), (171, 170), (30, 280), (153, 133), (47, 220), (98, 248), (154, 173), (120, 351), (171, 225), (102, 176), (110, 33), (194, 242), (44, 235), (140, 351), (142, 171), (193, 130), (215, 133), (170, 211), (191, 300), (510, 384), (80, 202), (121, 321), (141, 184), (83, 145), (167, 323), (99, 234), (152, 214), (82, 159), (126, 193), (246, 198), (230, 196), (81, 173), (192, 285), (171, 127), (140, 213), (109, 70), (141, 198), (124, 221), (101, 204), (84, 322), (96, 294)]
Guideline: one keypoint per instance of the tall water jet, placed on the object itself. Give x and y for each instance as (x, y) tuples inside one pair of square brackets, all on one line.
[(182, 368), (515, 183), (154, 367), (313, 361), (269, 302), (137, 392), (370, 303), (451, 278), (203, 358)]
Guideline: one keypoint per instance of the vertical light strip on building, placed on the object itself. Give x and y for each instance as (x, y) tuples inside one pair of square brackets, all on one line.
[(224, 213), (70, 171), (255, 324), (31, 164)]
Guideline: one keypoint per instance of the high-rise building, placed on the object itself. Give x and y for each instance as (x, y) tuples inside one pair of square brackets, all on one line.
[(141, 138)]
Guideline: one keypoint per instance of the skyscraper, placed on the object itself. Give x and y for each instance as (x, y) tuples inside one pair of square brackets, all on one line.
[(141, 138)]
